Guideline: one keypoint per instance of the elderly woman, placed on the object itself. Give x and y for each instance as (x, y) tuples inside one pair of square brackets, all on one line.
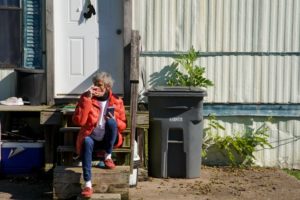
[(99, 129)]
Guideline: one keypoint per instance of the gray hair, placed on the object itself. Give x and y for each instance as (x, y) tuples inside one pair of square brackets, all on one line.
[(105, 77)]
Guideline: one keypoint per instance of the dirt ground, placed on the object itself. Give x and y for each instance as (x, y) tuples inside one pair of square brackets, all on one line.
[(214, 183), (222, 183)]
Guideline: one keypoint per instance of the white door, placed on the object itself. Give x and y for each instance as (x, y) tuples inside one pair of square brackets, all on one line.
[(85, 46)]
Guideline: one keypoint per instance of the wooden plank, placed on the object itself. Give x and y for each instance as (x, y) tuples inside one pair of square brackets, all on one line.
[(50, 52), (24, 108), (127, 26), (50, 118), (134, 67), (142, 118), (68, 148), (69, 129), (134, 78), (50, 143)]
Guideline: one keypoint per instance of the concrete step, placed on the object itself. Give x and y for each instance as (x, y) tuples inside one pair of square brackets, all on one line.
[(67, 181)]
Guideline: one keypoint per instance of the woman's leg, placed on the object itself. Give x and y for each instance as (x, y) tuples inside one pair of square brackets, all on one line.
[(111, 132), (87, 152)]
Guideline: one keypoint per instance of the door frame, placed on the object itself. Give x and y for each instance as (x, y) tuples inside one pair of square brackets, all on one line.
[(49, 30)]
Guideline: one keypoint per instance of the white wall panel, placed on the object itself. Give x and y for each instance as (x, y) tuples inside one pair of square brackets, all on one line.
[(269, 28), (242, 79), (284, 136)]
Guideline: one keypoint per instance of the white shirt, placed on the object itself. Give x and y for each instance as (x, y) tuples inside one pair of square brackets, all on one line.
[(99, 132)]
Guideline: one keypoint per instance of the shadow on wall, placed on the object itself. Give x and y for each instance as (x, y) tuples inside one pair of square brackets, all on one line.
[(160, 78), (7, 84)]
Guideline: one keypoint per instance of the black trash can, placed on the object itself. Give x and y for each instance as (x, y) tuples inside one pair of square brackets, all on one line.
[(176, 131), (31, 85)]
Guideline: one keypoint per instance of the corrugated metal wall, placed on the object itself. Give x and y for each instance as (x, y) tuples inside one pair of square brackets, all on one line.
[(284, 137), (251, 48)]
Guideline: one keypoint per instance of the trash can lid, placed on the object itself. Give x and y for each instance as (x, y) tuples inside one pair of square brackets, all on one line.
[(176, 91)]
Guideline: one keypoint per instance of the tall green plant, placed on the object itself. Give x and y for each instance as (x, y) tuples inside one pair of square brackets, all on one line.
[(209, 132), (242, 143), (192, 75)]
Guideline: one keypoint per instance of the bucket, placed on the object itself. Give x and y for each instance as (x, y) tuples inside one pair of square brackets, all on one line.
[(31, 85)]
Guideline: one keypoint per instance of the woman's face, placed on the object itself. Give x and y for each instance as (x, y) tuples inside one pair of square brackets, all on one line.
[(99, 88), (100, 84)]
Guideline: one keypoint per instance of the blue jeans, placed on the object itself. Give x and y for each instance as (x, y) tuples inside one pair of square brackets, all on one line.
[(89, 144)]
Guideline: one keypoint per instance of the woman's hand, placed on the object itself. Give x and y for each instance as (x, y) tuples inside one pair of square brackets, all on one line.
[(95, 91)]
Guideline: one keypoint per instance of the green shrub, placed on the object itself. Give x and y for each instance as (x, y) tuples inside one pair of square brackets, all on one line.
[(236, 146), (192, 75)]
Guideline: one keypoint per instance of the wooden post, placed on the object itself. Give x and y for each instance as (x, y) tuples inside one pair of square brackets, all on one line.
[(50, 52), (127, 26), (134, 81)]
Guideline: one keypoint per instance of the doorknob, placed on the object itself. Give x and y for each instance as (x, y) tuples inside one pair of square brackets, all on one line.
[(119, 31)]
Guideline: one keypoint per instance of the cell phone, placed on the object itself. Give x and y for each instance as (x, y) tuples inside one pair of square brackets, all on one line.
[(110, 110)]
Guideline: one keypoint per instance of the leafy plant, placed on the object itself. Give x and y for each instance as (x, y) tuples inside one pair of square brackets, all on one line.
[(209, 132), (293, 172), (192, 75), (241, 144)]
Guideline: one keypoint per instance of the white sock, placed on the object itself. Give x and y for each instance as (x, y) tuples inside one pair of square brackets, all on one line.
[(107, 156), (88, 184)]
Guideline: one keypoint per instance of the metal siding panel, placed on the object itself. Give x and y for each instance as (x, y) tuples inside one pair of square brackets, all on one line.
[(249, 27), (226, 25), (284, 135), (279, 79), (273, 26), (211, 26), (264, 79), (203, 25), (280, 25), (272, 80), (164, 25), (157, 29), (295, 38), (295, 80), (241, 25), (287, 79), (233, 25), (296, 158), (288, 26)]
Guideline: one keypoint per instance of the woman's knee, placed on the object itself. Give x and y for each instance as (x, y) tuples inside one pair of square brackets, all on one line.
[(111, 123), (88, 141)]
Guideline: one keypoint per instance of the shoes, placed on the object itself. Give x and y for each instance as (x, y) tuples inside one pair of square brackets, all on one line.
[(100, 164), (109, 164), (87, 192), (12, 101)]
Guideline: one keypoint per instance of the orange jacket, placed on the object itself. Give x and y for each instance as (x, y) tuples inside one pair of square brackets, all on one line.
[(86, 116)]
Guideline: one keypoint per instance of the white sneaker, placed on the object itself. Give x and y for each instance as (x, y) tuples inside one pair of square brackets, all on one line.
[(12, 101)]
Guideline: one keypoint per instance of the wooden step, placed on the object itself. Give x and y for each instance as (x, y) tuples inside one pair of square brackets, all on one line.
[(102, 196), (65, 148), (76, 129), (67, 181), (69, 129), (66, 156)]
